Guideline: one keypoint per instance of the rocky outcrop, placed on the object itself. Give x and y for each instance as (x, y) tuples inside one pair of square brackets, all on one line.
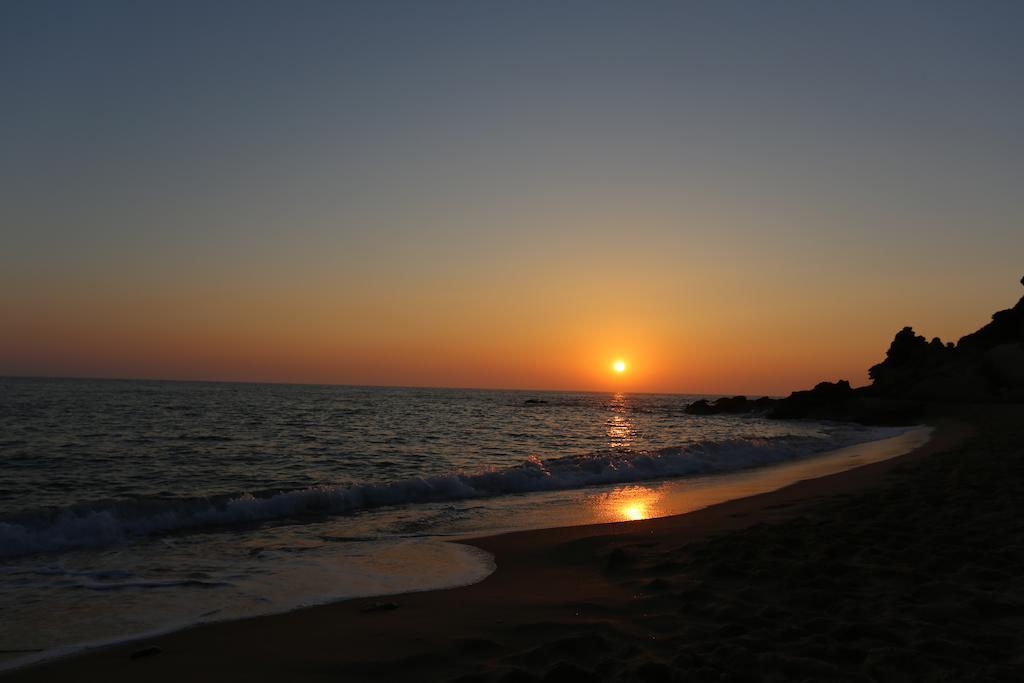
[(730, 405), (916, 369), (824, 396), (1007, 327), (840, 401), (986, 365), (826, 401)]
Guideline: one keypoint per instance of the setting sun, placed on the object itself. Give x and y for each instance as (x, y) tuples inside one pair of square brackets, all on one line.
[(619, 366)]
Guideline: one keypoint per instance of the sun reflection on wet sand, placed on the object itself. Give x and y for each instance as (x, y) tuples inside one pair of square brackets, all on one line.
[(634, 512), (628, 503), (636, 502)]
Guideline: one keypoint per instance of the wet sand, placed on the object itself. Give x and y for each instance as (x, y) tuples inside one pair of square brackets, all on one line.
[(906, 569)]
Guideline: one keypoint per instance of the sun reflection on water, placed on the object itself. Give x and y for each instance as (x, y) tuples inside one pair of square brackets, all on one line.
[(630, 502), (620, 430)]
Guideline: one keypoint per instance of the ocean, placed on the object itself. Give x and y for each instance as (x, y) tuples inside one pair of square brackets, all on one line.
[(134, 507)]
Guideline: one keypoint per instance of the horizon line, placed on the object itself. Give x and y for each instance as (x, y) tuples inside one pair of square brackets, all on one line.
[(367, 386)]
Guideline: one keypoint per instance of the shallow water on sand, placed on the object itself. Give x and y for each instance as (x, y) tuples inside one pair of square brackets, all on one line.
[(131, 507)]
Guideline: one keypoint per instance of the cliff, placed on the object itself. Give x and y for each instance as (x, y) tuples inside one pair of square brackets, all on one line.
[(984, 366)]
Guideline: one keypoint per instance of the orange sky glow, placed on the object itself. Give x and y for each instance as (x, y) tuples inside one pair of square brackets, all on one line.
[(731, 198), (717, 343)]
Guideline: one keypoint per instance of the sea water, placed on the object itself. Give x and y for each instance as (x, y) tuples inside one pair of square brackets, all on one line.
[(131, 507)]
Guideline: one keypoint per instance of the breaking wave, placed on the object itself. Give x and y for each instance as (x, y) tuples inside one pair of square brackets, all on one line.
[(121, 521)]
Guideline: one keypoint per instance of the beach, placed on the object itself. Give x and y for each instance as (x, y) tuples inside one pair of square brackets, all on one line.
[(506, 342), (188, 503), (902, 569)]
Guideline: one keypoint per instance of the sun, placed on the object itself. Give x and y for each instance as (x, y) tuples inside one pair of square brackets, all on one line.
[(619, 366)]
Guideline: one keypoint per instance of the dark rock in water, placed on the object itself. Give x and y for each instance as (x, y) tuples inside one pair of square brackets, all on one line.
[(831, 391), (146, 652), (734, 404), (822, 399), (700, 407), (729, 405), (826, 401), (839, 401), (535, 402)]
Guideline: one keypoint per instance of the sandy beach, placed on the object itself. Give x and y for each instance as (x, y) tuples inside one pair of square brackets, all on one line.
[(898, 570)]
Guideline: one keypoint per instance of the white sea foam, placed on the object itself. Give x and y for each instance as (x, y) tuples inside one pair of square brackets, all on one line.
[(113, 523), (394, 566)]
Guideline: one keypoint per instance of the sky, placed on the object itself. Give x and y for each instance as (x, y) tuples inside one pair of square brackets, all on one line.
[(732, 197)]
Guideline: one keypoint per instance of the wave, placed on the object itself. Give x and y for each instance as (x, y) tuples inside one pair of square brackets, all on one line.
[(111, 523)]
